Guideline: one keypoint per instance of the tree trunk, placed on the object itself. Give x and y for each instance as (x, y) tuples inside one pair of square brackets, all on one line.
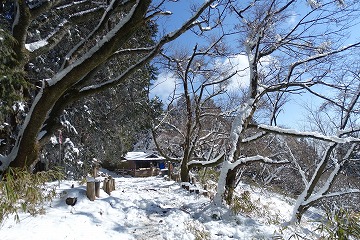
[(300, 211), (26, 149), (184, 171), (230, 186)]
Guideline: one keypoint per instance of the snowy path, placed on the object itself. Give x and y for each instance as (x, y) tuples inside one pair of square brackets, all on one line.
[(139, 209), (155, 207)]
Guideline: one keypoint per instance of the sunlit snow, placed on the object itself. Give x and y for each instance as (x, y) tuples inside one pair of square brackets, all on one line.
[(149, 208), (36, 45)]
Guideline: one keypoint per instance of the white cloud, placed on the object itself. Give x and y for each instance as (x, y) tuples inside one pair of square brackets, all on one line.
[(292, 19), (164, 86), (238, 63)]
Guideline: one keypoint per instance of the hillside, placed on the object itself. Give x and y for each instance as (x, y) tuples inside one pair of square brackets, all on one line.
[(152, 208)]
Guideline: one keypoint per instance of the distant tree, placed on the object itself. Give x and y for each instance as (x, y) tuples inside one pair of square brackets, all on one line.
[(193, 129)]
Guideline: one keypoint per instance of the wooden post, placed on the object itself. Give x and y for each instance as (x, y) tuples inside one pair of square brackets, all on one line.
[(97, 188), (90, 190), (151, 171), (110, 184), (95, 171), (169, 170), (106, 185), (113, 184)]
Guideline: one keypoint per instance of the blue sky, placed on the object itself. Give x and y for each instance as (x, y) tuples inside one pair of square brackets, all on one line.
[(294, 113)]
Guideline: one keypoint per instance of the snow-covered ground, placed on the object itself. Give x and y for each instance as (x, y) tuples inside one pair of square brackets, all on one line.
[(150, 208)]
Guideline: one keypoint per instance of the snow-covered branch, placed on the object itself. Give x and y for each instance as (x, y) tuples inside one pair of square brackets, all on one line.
[(341, 193), (350, 108), (40, 47), (256, 158), (86, 15), (210, 163), (175, 128), (254, 137), (133, 51), (159, 13), (318, 56), (314, 135), (156, 49), (161, 152), (237, 127), (297, 165), (113, 6), (45, 6)]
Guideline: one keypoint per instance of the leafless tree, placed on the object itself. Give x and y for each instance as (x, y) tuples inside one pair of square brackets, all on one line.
[(304, 56), (194, 123)]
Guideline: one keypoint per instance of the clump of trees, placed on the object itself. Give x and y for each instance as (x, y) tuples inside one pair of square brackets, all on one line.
[(288, 56), (65, 59)]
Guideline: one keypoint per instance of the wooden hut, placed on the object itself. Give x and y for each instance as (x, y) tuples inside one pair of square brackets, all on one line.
[(140, 164)]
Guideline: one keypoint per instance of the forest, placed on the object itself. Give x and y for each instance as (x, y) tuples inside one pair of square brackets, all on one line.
[(228, 92)]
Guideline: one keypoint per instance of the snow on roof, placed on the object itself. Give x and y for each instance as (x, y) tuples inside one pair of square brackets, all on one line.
[(143, 156)]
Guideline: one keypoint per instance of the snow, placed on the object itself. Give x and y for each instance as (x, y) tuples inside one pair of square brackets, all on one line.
[(53, 140), (41, 134), (19, 106), (222, 182), (208, 28), (17, 15), (145, 208), (69, 126), (142, 156), (36, 45), (237, 126), (204, 163), (316, 135), (314, 4)]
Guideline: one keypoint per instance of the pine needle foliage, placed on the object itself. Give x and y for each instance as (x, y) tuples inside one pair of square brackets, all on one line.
[(12, 81), (22, 191)]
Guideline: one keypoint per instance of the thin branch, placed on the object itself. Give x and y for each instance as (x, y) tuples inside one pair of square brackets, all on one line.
[(212, 163), (313, 135), (156, 49)]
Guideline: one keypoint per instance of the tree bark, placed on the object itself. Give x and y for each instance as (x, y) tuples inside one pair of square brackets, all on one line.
[(27, 142), (230, 186), (184, 171)]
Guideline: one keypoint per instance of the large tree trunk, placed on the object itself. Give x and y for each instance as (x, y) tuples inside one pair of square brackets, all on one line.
[(184, 171), (230, 186), (26, 149)]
